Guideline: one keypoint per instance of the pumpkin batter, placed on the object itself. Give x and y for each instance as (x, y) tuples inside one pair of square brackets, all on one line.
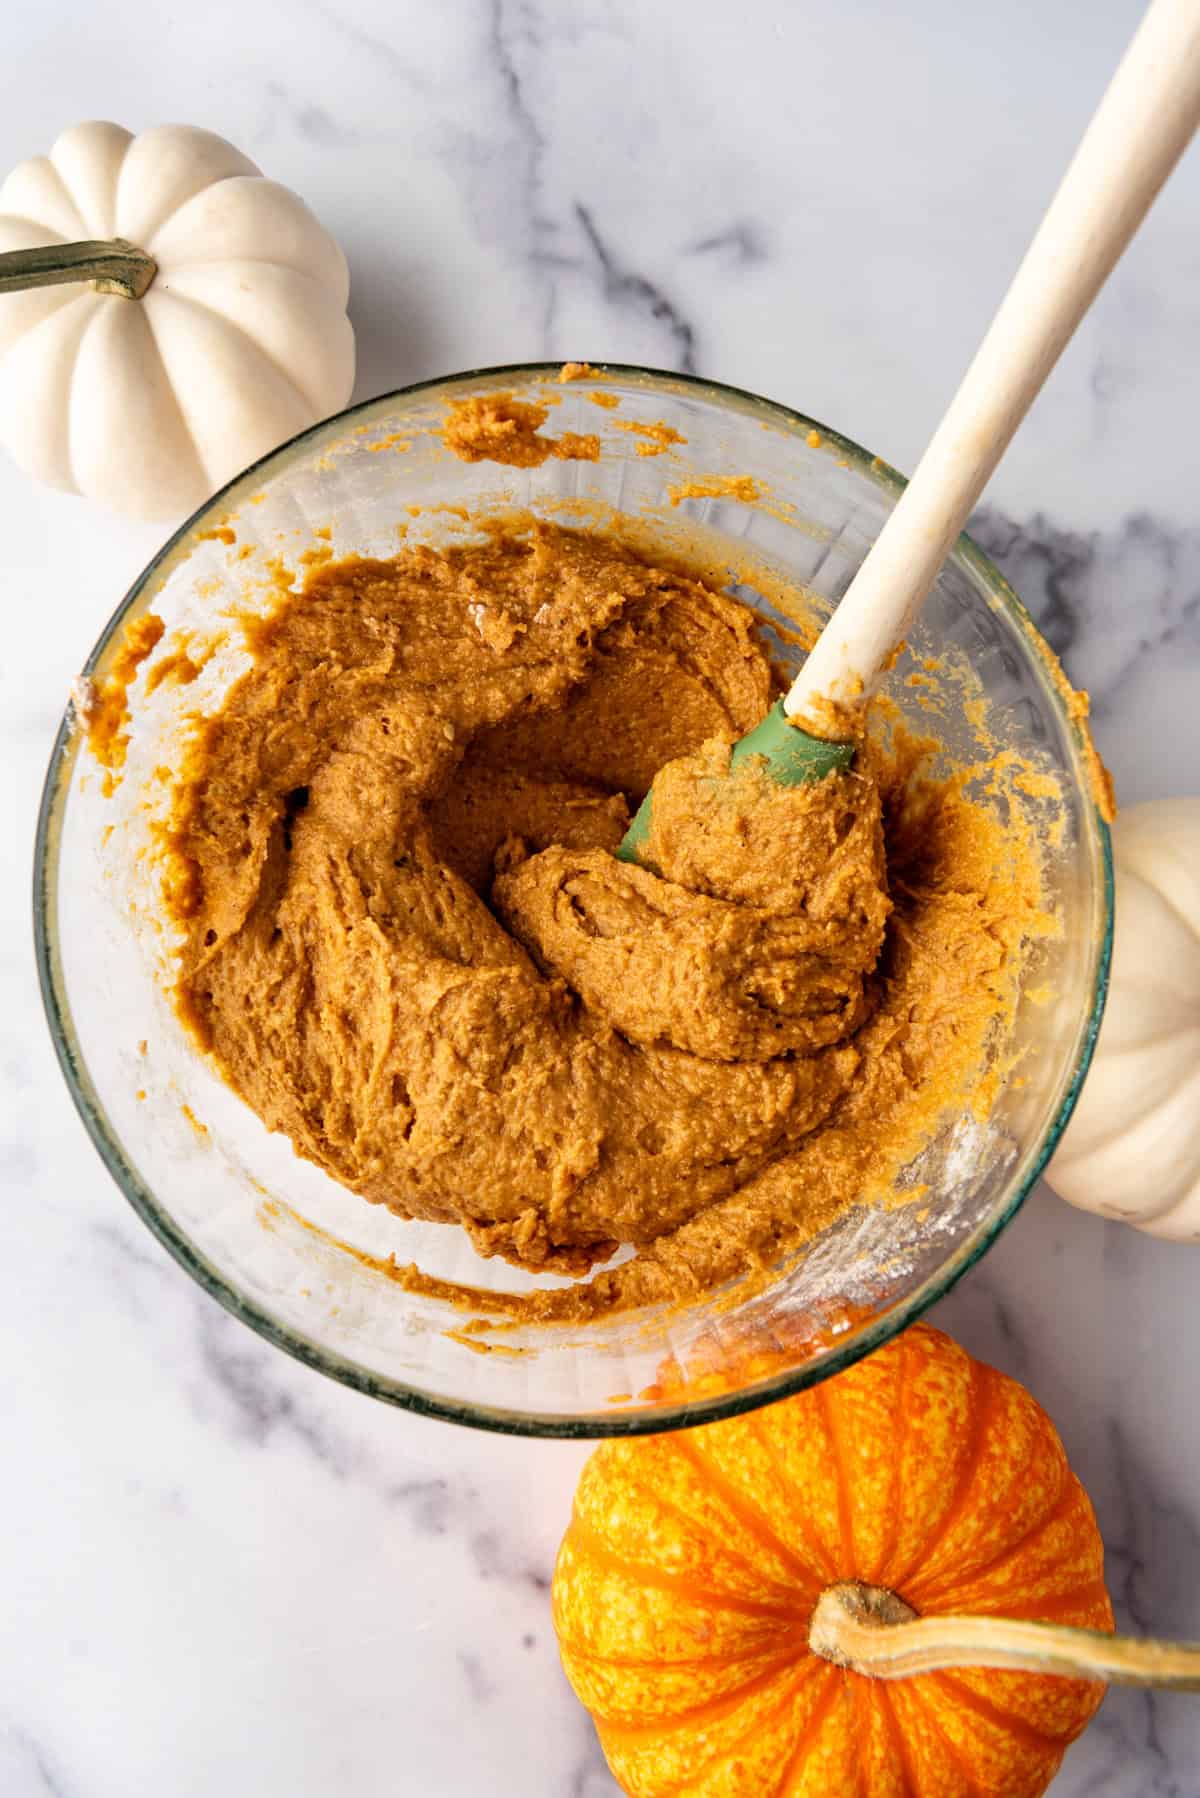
[(409, 946)]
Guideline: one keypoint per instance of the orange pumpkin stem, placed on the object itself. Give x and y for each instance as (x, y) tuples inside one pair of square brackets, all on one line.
[(873, 1632)]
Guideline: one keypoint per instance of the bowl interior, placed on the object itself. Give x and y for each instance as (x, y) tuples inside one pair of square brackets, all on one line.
[(291, 1252)]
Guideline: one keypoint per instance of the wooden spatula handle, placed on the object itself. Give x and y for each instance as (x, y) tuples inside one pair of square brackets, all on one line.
[(1140, 130)]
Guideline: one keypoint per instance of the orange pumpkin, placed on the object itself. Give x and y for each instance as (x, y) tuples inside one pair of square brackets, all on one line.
[(690, 1572)]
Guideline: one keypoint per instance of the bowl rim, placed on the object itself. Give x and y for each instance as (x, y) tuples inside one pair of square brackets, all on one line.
[(648, 1420)]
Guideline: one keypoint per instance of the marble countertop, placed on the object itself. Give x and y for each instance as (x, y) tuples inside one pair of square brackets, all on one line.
[(223, 1574)]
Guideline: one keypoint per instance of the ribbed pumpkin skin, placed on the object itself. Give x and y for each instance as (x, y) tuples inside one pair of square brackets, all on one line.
[(687, 1577)]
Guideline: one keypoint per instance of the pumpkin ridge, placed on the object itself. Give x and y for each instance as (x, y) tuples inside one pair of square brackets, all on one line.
[(182, 299), (944, 1585), (48, 163), (185, 422), (845, 1515), (1108, 1137), (713, 1710), (895, 1506), (95, 225), (757, 1422), (69, 298), (1157, 892), (733, 1554), (787, 1696), (68, 374), (746, 1511), (981, 1398), (55, 299), (968, 1699), (34, 225), (876, 1690), (1052, 1610), (210, 262), (116, 187), (236, 164), (858, 1698), (797, 1637), (808, 1734), (1157, 1037), (598, 1550), (920, 1692), (819, 1712)]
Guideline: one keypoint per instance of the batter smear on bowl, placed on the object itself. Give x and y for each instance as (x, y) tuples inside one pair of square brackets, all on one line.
[(409, 946)]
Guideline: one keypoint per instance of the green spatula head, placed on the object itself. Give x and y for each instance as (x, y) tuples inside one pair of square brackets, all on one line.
[(789, 756)]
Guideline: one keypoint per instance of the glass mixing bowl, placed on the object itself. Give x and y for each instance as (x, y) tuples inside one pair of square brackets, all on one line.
[(290, 1252)]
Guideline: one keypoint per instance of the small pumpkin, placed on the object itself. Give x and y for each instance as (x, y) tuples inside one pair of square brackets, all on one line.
[(695, 1563), (205, 321), (1132, 1148)]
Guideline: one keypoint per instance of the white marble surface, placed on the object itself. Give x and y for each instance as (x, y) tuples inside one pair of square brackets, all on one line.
[(220, 1573)]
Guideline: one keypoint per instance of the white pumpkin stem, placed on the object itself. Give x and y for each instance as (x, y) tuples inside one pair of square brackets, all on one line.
[(871, 1631), (112, 267)]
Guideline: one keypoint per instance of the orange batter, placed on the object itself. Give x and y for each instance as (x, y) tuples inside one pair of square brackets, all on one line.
[(409, 946)]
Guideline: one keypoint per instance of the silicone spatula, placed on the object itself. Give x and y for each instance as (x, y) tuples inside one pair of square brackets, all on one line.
[(1140, 130)]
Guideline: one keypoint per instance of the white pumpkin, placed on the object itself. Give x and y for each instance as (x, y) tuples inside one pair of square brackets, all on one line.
[(240, 340), (1132, 1149)]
